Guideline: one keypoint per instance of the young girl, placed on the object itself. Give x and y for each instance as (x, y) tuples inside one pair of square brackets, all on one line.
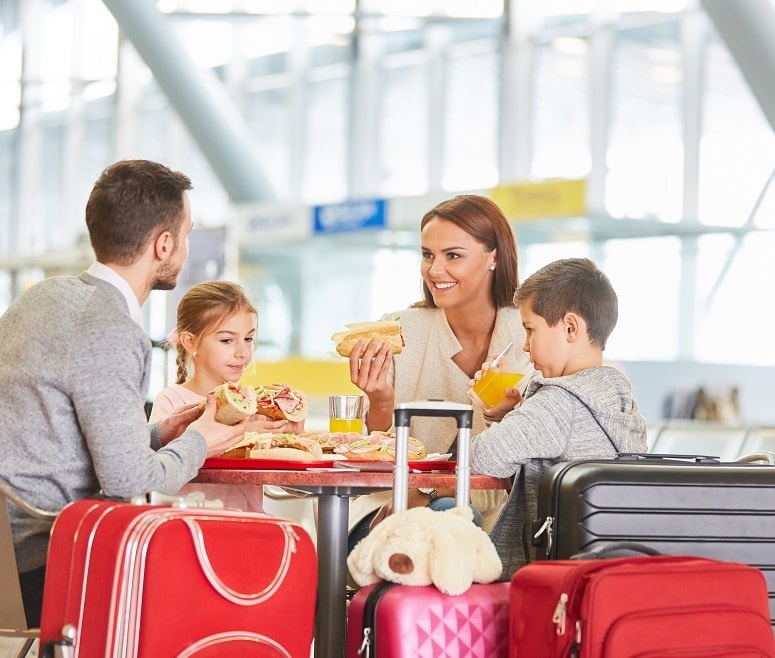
[(214, 338)]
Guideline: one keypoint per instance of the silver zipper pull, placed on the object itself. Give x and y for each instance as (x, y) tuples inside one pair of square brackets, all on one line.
[(558, 618), (546, 527), (365, 647)]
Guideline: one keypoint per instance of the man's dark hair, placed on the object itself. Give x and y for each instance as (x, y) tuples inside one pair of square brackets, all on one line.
[(132, 202)]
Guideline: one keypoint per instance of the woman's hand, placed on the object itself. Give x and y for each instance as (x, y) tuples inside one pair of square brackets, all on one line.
[(369, 366)]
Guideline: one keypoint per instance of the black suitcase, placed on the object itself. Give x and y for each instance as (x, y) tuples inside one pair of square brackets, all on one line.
[(677, 505)]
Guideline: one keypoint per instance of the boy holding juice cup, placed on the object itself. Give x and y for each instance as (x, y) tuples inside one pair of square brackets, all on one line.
[(575, 408)]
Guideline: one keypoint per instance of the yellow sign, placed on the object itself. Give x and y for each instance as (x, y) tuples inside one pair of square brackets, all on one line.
[(315, 378), (550, 198)]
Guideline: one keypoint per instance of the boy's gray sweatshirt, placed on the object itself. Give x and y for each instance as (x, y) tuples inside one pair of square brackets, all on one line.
[(589, 414)]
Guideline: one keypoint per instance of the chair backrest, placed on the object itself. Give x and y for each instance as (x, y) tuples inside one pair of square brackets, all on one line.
[(698, 438), (11, 607), (13, 622)]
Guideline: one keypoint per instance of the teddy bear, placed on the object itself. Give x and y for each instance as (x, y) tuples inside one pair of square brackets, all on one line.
[(420, 546)]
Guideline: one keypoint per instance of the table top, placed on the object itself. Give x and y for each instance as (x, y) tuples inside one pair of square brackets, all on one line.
[(344, 481)]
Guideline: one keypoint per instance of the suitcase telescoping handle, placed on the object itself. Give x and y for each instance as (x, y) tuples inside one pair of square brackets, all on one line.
[(404, 412)]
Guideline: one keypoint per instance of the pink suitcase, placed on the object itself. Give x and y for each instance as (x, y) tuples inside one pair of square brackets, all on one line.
[(423, 622), (129, 580), (390, 620)]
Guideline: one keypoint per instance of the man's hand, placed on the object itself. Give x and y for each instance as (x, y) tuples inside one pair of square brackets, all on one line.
[(219, 437), (173, 426)]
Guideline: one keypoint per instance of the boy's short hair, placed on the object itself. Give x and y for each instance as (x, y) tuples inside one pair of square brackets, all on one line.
[(573, 285)]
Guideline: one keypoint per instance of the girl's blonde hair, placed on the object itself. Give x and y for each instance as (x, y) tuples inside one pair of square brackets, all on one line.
[(201, 309)]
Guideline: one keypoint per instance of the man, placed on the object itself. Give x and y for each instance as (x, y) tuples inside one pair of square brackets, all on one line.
[(75, 366)]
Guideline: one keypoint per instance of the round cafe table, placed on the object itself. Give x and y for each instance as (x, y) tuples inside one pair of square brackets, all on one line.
[(333, 487)]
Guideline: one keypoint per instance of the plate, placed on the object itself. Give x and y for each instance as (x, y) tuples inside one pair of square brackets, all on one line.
[(244, 463)]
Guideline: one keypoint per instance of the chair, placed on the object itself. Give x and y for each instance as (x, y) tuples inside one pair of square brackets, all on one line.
[(652, 434), (759, 439), (13, 623), (700, 438)]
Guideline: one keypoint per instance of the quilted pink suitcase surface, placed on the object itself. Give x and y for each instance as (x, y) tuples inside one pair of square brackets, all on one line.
[(423, 622)]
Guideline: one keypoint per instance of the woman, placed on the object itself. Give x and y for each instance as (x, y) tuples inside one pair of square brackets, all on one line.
[(469, 276)]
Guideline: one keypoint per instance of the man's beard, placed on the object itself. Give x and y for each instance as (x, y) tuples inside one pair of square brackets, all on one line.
[(166, 278)]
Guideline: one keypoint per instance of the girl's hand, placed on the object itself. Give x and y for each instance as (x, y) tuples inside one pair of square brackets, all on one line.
[(264, 425)]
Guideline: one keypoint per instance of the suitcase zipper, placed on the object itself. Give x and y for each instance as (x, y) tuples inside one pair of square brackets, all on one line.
[(370, 619), (546, 527)]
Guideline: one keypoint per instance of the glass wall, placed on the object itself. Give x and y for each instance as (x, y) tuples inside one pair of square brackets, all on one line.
[(420, 101)]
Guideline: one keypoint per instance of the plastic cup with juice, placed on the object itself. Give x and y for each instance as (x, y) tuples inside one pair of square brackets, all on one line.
[(490, 389), (345, 413)]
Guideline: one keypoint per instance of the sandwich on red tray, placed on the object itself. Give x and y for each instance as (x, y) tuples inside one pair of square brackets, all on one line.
[(380, 446), (290, 447), (233, 402), (281, 402)]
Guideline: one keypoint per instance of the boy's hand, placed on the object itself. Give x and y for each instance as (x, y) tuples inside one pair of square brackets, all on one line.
[(495, 414)]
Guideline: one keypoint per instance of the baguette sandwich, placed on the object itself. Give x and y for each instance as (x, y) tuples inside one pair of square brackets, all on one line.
[(233, 402), (387, 331), (380, 446), (289, 447), (281, 402)]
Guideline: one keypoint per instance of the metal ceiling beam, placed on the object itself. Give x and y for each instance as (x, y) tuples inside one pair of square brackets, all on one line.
[(199, 98), (748, 29)]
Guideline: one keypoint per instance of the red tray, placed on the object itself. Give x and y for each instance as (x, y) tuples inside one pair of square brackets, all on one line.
[(243, 463)]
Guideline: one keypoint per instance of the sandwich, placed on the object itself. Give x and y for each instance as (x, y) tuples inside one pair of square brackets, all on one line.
[(380, 446), (290, 447), (281, 402), (233, 402), (386, 331)]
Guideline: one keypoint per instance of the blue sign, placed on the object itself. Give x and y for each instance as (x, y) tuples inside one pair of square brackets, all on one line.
[(350, 216)]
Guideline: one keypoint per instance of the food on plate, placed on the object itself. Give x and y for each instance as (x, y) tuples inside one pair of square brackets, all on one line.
[(387, 331), (281, 402), (233, 403), (380, 446), (258, 445), (329, 441)]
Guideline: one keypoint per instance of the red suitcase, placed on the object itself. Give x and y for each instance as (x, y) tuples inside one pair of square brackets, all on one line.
[(393, 620), (644, 607), (129, 580), (423, 622)]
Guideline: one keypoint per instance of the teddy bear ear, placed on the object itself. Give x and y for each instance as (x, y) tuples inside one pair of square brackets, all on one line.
[(360, 562), (451, 571)]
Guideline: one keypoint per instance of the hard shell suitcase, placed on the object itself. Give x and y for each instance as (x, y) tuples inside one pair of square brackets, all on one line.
[(639, 607), (152, 581), (388, 620), (678, 506)]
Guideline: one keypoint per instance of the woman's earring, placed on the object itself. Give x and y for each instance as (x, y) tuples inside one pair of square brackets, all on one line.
[(492, 267)]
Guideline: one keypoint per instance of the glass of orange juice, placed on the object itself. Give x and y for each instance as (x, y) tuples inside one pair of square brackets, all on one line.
[(490, 389), (345, 413)]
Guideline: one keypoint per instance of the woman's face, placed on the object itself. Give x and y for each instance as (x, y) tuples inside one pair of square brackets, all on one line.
[(223, 354), (455, 267)]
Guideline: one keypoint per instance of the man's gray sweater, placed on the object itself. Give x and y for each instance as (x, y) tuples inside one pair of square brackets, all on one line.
[(74, 371)]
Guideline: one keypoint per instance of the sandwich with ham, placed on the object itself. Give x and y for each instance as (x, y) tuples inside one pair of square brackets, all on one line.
[(233, 402), (281, 402), (288, 447), (386, 331), (380, 446)]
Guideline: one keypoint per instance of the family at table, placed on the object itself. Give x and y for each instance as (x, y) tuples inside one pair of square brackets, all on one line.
[(75, 368)]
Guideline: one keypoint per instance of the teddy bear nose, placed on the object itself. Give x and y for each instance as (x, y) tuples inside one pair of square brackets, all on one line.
[(400, 563)]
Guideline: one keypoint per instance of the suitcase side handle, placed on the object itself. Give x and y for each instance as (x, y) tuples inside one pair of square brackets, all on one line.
[(607, 549), (463, 414), (637, 456)]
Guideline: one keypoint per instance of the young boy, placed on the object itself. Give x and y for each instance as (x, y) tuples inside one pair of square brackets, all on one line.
[(576, 408)]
